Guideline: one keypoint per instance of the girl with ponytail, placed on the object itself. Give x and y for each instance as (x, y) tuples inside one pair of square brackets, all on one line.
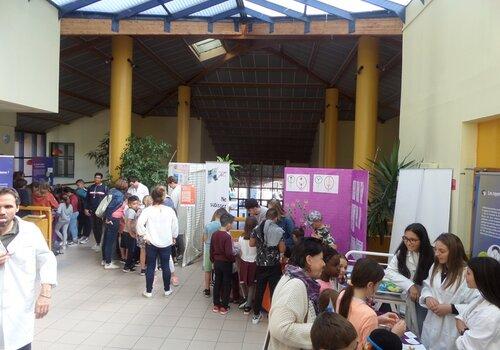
[(351, 303)]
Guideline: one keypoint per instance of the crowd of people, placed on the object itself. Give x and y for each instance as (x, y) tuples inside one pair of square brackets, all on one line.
[(317, 302)]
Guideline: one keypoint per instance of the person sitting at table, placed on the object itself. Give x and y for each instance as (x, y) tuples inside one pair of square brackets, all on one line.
[(479, 324), (351, 303), (445, 293), (383, 339), (408, 268)]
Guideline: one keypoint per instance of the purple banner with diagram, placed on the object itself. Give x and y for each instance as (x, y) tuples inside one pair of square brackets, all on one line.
[(340, 195), (6, 171)]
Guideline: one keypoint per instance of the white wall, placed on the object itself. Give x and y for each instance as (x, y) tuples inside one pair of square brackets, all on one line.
[(450, 81), (87, 132), (29, 56), (7, 132)]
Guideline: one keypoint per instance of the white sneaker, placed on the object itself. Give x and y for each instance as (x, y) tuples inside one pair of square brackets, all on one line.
[(168, 292), (103, 262), (83, 240), (96, 248), (111, 266), (147, 295), (256, 318)]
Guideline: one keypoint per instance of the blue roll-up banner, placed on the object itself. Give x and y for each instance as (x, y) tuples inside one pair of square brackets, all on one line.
[(486, 215), (6, 171)]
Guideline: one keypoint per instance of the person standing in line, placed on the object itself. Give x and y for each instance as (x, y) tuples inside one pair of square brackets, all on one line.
[(130, 218), (247, 264), (83, 220), (175, 196), (73, 222), (445, 293), (222, 255), (268, 239), (95, 194), (159, 226), (210, 228), (26, 266), (479, 324), (408, 269), (64, 212), (43, 197), (137, 189), (254, 209), (284, 221)]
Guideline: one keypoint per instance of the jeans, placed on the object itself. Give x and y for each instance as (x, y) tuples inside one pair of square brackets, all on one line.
[(109, 239), (223, 278), (61, 230), (96, 228), (265, 275), (73, 226), (83, 225), (152, 253), (131, 247)]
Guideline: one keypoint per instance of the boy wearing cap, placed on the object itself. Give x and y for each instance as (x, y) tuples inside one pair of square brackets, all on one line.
[(321, 231)]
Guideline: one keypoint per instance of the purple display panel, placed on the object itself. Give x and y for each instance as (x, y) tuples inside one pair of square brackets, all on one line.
[(330, 191)]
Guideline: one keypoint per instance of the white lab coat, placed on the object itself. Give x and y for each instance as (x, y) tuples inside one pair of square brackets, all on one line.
[(440, 333), (31, 264), (392, 274), (141, 191), (483, 320), (175, 194)]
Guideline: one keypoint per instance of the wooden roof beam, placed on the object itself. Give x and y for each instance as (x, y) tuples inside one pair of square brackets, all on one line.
[(83, 98), (84, 45), (162, 64), (347, 61), (259, 98)]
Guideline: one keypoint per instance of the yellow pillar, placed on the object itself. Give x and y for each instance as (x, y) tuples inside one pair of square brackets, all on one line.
[(365, 125), (183, 114), (120, 114), (331, 123)]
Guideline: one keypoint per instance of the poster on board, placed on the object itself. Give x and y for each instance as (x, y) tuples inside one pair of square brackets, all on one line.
[(216, 188), (298, 182), (486, 216), (6, 171), (343, 208), (188, 195)]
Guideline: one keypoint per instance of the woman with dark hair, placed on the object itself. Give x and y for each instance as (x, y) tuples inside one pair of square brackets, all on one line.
[(479, 324), (351, 303), (408, 268), (295, 299), (445, 293)]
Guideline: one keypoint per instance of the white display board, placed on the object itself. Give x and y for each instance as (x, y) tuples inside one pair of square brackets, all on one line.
[(424, 196)]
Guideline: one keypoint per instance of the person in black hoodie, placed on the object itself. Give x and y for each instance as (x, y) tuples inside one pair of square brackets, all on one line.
[(95, 193)]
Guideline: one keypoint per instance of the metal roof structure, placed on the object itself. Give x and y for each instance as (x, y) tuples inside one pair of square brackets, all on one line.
[(270, 95)]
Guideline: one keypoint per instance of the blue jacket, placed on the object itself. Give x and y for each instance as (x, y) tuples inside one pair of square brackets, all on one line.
[(286, 223), (116, 202), (95, 194)]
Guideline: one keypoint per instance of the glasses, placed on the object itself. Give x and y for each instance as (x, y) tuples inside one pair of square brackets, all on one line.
[(410, 240)]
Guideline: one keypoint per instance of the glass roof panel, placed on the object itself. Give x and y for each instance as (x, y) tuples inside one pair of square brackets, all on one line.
[(214, 10), (158, 10), (263, 10), (111, 6), (179, 5)]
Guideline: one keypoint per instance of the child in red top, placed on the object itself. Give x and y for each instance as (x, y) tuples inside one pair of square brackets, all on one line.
[(222, 254)]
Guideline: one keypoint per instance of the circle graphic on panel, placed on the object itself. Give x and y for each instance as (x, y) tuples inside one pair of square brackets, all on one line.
[(301, 182), (329, 183)]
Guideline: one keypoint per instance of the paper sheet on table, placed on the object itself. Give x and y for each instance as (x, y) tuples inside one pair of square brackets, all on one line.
[(410, 335), (412, 341)]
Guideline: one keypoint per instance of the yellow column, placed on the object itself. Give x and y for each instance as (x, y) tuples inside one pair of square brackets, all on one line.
[(331, 122), (365, 125), (183, 114), (120, 114)]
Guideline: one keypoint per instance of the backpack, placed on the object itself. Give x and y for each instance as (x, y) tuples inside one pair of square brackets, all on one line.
[(266, 255), (101, 208)]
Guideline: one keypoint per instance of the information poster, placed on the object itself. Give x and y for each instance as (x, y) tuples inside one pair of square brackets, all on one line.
[(486, 228), (42, 168), (340, 195), (216, 188), (188, 195), (6, 171)]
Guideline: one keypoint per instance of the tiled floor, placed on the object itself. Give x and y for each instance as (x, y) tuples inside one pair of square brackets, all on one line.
[(93, 308)]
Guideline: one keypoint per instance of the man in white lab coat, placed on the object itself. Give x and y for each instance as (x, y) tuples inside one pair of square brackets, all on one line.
[(25, 263), (175, 191)]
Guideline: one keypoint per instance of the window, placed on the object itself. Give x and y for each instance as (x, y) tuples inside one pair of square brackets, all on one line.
[(64, 159), (207, 49), (262, 182)]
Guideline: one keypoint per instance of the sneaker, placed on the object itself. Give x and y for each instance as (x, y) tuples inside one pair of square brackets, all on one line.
[(175, 281), (70, 243), (145, 294), (246, 310), (84, 240), (256, 318), (111, 266), (168, 292), (242, 304), (206, 293), (128, 269), (143, 272), (215, 309), (123, 261), (223, 310), (103, 262), (96, 248)]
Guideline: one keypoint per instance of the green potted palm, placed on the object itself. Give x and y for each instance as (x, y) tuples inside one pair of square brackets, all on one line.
[(384, 174)]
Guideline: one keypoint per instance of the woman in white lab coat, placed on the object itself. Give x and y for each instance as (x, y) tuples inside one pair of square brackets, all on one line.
[(408, 268), (445, 293), (479, 324)]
